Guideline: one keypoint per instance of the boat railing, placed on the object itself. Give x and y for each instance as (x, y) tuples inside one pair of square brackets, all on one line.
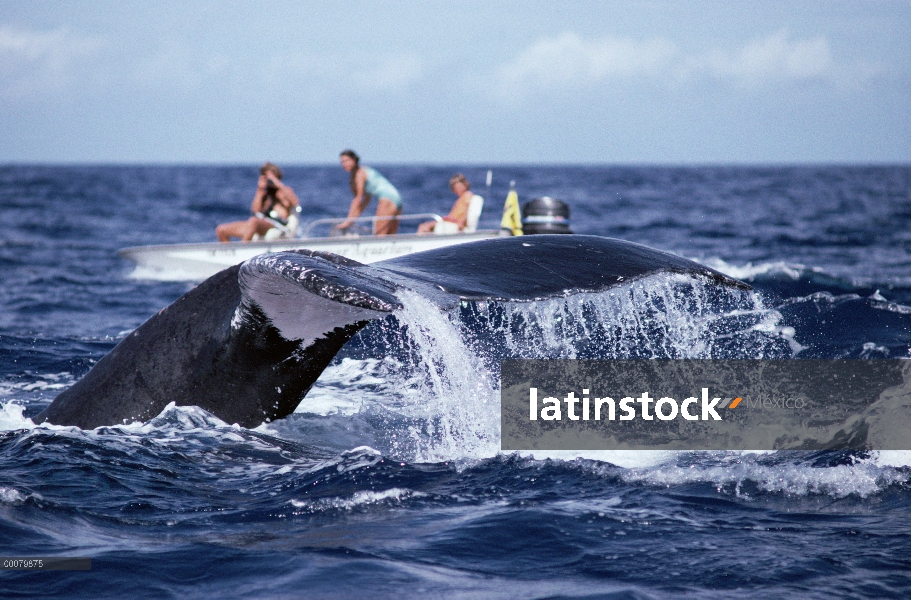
[(355, 231)]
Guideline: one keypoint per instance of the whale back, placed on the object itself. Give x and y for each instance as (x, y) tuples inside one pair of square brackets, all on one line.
[(526, 268)]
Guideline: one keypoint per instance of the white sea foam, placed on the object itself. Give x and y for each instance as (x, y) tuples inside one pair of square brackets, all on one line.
[(358, 499), (10, 496), (881, 303), (15, 394), (750, 270), (890, 458), (734, 471), (38, 382), (11, 417)]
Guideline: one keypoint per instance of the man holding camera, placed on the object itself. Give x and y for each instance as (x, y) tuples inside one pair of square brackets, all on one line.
[(274, 209)]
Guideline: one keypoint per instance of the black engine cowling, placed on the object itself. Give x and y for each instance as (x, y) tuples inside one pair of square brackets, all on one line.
[(545, 215)]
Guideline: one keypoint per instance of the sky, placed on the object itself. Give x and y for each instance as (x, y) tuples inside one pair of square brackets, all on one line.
[(444, 82)]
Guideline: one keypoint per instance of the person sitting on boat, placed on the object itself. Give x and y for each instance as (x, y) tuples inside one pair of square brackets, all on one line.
[(275, 207), (366, 183), (464, 214)]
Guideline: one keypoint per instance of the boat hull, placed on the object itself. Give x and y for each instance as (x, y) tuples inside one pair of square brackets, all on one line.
[(195, 262)]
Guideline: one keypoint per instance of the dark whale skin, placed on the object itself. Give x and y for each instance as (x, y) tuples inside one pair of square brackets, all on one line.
[(187, 351)]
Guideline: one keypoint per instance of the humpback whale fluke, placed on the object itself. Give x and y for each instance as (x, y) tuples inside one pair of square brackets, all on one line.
[(248, 343), (245, 345)]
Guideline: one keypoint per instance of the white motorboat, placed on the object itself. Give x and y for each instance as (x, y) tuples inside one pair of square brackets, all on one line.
[(195, 262)]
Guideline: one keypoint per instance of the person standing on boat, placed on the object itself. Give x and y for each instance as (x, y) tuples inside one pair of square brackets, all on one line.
[(366, 183), (274, 208), (457, 219)]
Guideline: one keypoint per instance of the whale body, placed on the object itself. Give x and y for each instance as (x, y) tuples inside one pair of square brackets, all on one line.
[(248, 343)]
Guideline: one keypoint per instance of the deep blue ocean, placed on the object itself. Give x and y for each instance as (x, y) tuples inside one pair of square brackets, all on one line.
[(388, 481)]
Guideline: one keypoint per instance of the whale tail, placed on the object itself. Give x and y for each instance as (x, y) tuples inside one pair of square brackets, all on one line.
[(248, 343)]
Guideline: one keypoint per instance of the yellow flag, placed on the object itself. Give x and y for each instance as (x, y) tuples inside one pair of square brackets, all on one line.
[(512, 216)]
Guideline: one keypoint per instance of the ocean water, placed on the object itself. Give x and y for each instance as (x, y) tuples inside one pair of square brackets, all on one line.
[(388, 481)]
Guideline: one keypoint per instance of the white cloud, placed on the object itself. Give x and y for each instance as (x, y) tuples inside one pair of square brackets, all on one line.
[(773, 58), (571, 60), (40, 61)]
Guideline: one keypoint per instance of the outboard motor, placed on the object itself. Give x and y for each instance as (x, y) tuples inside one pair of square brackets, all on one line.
[(545, 215)]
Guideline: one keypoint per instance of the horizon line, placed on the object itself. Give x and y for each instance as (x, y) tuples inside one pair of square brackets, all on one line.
[(470, 164)]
